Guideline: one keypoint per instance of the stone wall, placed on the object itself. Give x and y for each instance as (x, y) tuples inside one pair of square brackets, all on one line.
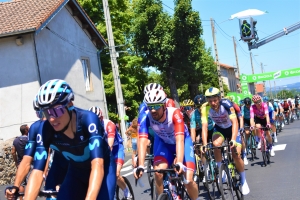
[(7, 164)]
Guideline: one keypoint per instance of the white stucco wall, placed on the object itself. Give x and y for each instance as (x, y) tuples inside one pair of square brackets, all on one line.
[(18, 85), (60, 58)]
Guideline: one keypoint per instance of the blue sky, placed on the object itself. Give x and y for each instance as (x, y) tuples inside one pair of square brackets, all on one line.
[(282, 53)]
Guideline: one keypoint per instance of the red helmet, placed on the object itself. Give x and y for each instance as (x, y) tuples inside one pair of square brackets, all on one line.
[(256, 98)]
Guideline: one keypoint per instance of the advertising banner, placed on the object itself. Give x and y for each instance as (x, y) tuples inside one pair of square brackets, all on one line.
[(236, 97)]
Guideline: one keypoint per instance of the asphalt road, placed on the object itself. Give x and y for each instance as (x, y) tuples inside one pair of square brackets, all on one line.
[(278, 181)]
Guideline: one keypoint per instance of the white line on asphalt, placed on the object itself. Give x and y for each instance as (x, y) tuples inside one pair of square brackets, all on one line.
[(279, 147), (124, 169)]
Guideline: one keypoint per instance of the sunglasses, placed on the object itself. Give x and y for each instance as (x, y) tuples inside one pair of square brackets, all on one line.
[(258, 102), (186, 108), (155, 106), (54, 112)]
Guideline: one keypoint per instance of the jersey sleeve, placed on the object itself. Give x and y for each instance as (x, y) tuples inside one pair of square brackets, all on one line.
[(43, 139), (178, 122), (193, 120), (266, 109), (251, 112), (97, 145), (142, 108), (110, 129), (170, 103), (242, 111), (204, 113), (144, 123), (31, 143), (237, 109), (229, 107)]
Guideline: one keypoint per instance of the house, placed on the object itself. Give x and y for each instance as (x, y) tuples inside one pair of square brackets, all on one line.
[(228, 74), (43, 40)]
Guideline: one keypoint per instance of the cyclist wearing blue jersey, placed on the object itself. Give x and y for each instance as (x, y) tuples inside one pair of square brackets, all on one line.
[(272, 117), (196, 123), (59, 166), (115, 142), (78, 135)]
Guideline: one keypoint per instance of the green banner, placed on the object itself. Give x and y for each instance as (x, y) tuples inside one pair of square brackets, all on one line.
[(236, 97), (270, 75)]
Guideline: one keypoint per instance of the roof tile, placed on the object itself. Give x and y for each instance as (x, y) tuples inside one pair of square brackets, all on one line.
[(22, 15)]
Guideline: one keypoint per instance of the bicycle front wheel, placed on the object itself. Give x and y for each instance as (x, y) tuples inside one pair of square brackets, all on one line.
[(225, 183), (120, 193), (150, 174), (263, 151), (163, 196), (209, 183)]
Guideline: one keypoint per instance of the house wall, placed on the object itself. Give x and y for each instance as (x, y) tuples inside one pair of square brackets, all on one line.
[(60, 51), (229, 78), (18, 85)]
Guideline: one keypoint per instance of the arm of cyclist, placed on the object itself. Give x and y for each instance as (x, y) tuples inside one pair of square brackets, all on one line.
[(96, 178), (252, 123), (111, 131), (34, 184), (193, 127), (179, 136), (204, 120)]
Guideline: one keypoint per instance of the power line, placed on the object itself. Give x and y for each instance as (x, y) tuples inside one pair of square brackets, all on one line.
[(222, 29)]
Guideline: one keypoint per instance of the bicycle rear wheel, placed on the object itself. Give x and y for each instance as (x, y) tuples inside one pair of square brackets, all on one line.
[(210, 180), (120, 193), (225, 186)]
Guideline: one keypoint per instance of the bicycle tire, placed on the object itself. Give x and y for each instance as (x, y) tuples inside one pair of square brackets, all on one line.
[(238, 188), (163, 196), (226, 193), (263, 151), (209, 184), (199, 175), (120, 193), (253, 148), (149, 174), (153, 190)]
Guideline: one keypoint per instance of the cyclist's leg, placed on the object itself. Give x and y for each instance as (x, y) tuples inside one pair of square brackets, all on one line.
[(189, 162), (163, 157), (217, 139)]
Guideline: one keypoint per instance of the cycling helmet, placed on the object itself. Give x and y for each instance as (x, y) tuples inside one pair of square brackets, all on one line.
[(54, 92), (96, 110), (152, 86), (265, 99), (187, 102), (256, 98), (247, 101), (35, 104), (155, 96), (271, 100), (212, 92), (199, 100)]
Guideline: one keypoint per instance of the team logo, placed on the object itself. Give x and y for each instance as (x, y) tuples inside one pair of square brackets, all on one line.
[(82, 138), (286, 73), (254, 78), (244, 78), (93, 128)]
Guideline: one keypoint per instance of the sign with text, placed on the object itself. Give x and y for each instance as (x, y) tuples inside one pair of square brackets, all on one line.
[(236, 97)]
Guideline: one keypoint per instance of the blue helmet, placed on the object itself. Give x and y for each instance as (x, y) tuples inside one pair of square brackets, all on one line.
[(54, 92), (265, 99)]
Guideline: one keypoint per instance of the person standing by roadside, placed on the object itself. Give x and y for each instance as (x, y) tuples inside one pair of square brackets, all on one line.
[(132, 132), (18, 149)]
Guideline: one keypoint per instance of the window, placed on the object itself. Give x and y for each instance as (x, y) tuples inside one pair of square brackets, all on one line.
[(87, 73)]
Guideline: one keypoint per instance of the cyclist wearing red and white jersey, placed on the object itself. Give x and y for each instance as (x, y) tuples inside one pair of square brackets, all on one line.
[(259, 117), (286, 109), (115, 143), (222, 112), (171, 137)]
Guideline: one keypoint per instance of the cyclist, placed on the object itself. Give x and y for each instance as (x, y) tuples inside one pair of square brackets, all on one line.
[(171, 137), (286, 109), (78, 135), (196, 123), (221, 111), (279, 116), (187, 108), (115, 142), (259, 116), (59, 164), (245, 111), (271, 116)]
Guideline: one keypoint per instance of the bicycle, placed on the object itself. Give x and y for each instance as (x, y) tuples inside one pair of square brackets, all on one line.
[(120, 193), (232, 183), (174, 188), (264, 146), (252, 143), (149, 159), (49, 194)]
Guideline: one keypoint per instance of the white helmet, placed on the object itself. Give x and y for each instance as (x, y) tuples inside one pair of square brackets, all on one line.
[(54, 92), (35, 103), (96, 110), (152, 86), (155, 97)]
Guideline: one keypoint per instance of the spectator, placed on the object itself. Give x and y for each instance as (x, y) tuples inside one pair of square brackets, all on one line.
[(246, 29), (18, 149), (132, 135)]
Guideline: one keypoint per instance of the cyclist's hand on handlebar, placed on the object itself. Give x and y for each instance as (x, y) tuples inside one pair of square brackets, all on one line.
[(252, 128), (10, 192), (268, 126), (232, 143), (241, 130), (179, 167), (203, 149), (138, 172)]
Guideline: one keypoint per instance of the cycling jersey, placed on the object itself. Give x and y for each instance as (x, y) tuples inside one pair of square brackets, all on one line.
[(285, 106), (197, 123), (245, 111), (110, 131), (237, 109), (259, 112), (170, 103), (222, 117), (271, 112), (88, 143), (165, 133), (275, 106)]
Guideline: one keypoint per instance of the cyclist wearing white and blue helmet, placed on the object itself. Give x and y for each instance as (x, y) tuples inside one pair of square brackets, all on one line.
[(78, 135)]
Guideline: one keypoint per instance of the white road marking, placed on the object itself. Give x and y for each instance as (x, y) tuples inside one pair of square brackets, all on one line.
[(279, 147)]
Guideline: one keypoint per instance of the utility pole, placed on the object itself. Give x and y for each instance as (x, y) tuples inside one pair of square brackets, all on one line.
[(264, 82), (271, 95), (217, 58), (237, 63), (275, 89), (115, 68), (253, 72)]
